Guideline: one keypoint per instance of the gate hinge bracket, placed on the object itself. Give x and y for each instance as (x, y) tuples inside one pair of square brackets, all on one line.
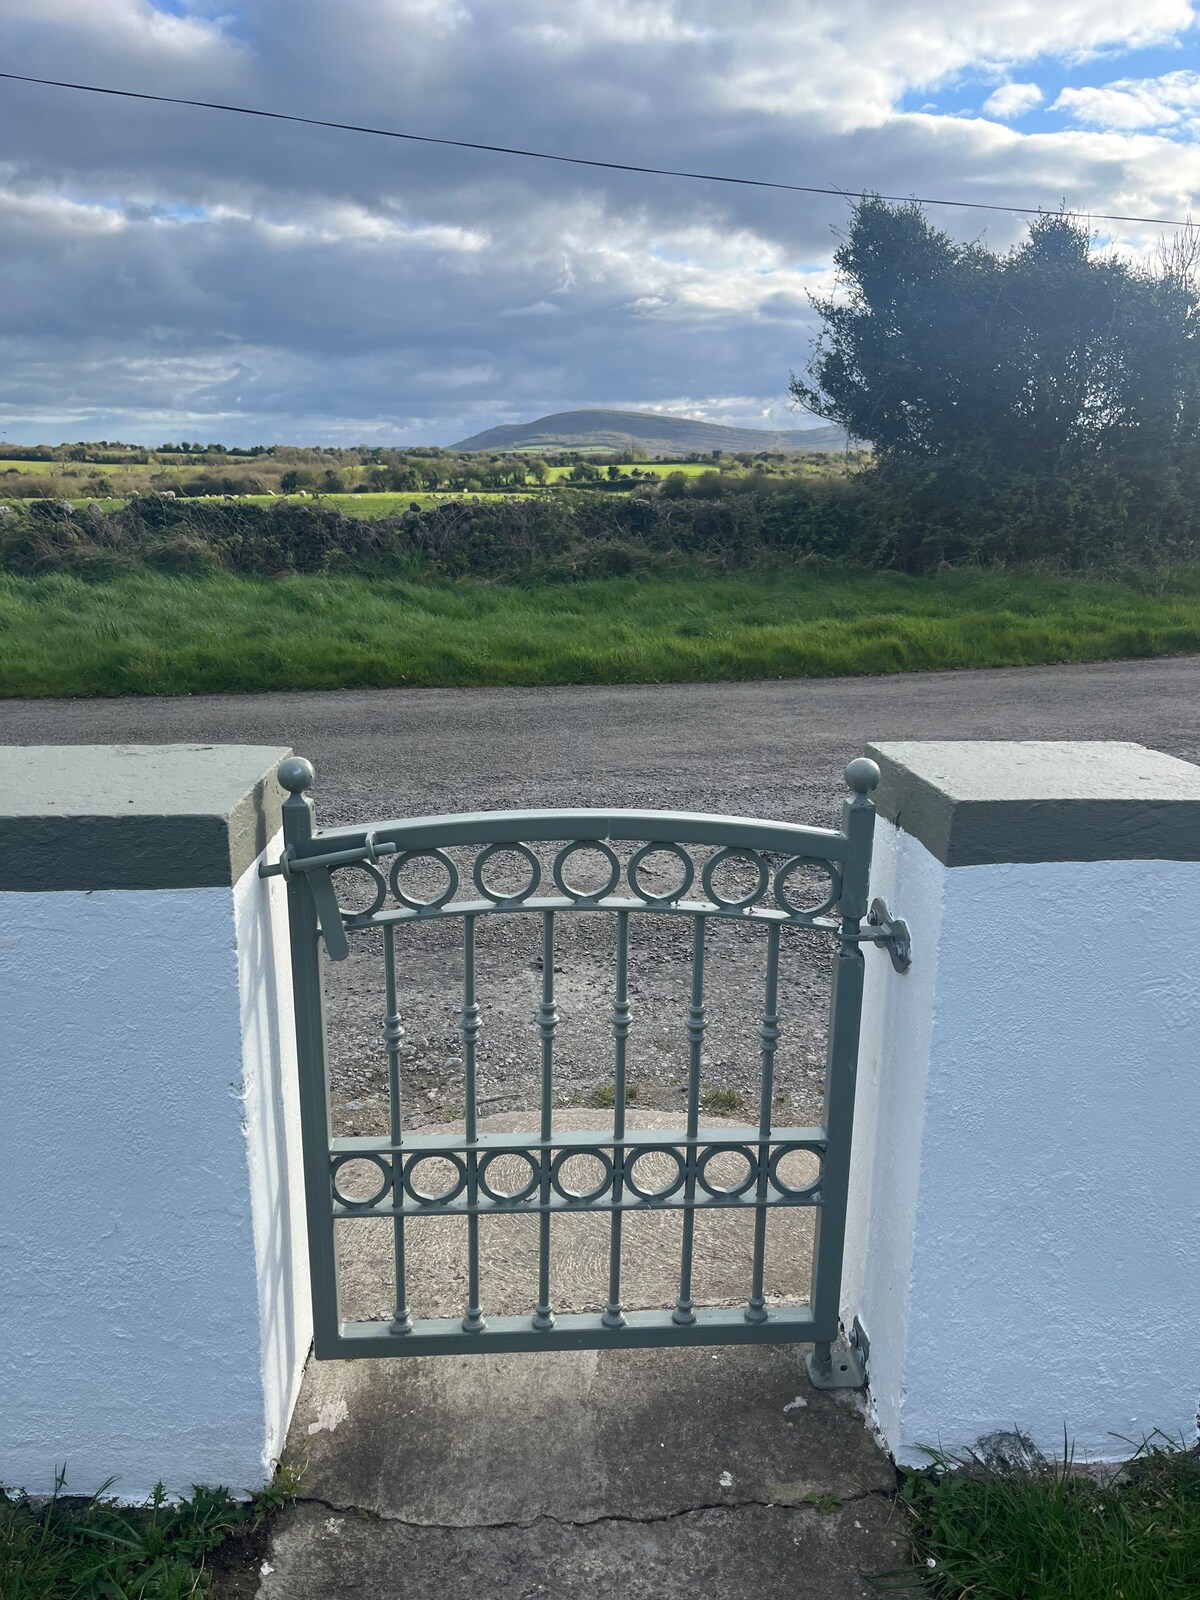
[(841, 1369), (889, 932)]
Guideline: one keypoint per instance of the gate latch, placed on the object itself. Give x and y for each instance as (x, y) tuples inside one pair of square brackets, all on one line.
[(316, 870), (889, 932)]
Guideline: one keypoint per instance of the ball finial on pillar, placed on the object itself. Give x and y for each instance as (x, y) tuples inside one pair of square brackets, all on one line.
[(862, 775), (295, 774)]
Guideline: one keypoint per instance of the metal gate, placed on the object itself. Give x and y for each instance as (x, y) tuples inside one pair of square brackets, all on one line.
[(777, 862)]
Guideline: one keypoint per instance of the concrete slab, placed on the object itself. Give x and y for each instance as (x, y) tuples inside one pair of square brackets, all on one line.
[(579, 1436), (768, 1553)]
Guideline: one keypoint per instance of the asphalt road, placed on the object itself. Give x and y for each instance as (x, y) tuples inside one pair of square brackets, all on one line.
[(772, 749)]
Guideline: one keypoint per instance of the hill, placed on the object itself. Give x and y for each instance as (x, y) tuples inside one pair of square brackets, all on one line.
[(658, 436)]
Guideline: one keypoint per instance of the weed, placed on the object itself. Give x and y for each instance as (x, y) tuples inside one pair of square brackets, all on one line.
[(283, 1488), (70, 1548), (1025, 1529), (721, 1101), (605, 1095)]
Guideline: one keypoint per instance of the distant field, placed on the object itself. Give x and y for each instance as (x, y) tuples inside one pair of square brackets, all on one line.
[(146, 633), (360, 505)]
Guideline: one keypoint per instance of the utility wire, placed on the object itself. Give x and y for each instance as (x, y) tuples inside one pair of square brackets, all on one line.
[(579, 161)]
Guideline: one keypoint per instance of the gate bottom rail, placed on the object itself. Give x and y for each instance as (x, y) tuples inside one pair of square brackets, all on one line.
[(791, 1324)]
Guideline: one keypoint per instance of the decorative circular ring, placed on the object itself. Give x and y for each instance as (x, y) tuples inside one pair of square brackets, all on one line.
[(361, 1202), (438, 901), (444, 1196), (507, 899), (806, 1189), (632, 1157), (581, 1194), (586, 896), (634, 871), (785, 872), (735, 853), (720, 1190), (376, 878), (508, 1196)]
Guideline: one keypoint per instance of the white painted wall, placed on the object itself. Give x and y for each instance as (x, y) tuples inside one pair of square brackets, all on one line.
[(271, 1102), (1024, 1236), (152, 1320)]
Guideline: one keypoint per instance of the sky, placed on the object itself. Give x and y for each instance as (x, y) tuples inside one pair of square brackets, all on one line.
[(168, 273)]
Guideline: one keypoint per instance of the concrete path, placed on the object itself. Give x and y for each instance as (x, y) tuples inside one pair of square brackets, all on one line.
[(629, 1473), (634, 1473)]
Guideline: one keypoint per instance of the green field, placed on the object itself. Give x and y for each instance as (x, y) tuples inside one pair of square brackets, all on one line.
[(144, 633), (369, 506)]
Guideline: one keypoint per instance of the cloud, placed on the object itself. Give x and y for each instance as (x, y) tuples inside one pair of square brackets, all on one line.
[(1169, 103), (1013, 100), (257, 280)]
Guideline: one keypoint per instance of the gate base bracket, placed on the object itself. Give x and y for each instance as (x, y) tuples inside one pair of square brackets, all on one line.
[(841, 1369)]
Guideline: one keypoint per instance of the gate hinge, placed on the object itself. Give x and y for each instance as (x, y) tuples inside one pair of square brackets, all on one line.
[(889, 932)]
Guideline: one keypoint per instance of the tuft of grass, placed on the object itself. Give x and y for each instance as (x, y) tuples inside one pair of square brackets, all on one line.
[(605, 1095), (721, 1101), (70, 1548), (153, 633), (1035, 1530)]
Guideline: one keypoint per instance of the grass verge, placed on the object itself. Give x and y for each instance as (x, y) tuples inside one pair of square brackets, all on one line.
[(1033, 1530), (94, 1549), (147, 633)]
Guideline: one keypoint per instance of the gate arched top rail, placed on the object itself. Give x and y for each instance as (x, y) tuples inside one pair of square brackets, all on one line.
[(583, 825), (776, 854)]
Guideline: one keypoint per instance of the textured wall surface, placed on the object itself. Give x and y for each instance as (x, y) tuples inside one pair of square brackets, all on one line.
[(1025, 1244), (272, 1124), (142, 1215), (897, 1024)]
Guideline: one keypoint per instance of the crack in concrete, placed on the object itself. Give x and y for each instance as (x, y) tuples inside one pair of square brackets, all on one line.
[(818, 1505)]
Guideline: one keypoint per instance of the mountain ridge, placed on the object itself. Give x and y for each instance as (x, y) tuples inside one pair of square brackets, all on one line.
[(598, 429)]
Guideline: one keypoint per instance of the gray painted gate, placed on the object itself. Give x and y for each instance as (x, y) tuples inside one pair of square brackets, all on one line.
[(773, 867)]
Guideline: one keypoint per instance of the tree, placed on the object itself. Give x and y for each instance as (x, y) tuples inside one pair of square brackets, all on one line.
[(1051, 352), (538, 469)]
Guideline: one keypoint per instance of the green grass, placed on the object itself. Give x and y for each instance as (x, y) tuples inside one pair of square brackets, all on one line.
[(94, 1549), (146, 633), (721, 1101), (604, 1095), (354, 505), (1047, 1532)]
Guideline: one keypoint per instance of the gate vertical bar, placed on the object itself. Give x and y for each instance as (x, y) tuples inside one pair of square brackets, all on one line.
[(614, 1315), (683, 1313), (756, 1307), (394, 1033), (845, 1008), (543, 1317), (308, 998), (473, 1321)]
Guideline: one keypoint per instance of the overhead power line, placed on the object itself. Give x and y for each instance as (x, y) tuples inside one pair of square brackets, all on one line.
[(581, 161)]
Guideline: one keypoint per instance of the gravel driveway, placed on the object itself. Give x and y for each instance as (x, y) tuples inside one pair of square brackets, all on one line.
[(773, 749)]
